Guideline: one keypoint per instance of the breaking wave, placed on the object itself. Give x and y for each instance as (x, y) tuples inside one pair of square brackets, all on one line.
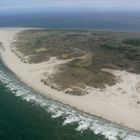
[(110, 130)]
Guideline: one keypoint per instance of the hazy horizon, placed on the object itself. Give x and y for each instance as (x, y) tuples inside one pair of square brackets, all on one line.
[(97, 14), (25, 6)]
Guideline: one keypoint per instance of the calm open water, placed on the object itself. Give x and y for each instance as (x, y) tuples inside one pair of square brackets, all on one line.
[(100, 20)]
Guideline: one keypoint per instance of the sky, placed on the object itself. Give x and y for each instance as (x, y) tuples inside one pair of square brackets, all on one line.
[(23, 5)]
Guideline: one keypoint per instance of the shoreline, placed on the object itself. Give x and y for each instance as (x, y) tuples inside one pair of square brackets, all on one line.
[(91, 104), (81, 29)]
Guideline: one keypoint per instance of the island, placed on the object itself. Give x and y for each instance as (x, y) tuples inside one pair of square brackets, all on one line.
[(97, 72)]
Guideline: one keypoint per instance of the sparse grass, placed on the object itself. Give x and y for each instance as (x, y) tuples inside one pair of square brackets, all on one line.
[(105, 50)]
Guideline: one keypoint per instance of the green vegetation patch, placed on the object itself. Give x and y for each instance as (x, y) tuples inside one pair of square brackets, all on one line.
[(135, 42), (90, 50), (107, 46)]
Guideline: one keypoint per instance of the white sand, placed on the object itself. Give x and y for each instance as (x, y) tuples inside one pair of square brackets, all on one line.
[(116, 103)]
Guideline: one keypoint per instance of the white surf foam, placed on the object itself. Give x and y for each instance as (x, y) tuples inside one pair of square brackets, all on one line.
[(71, 116)]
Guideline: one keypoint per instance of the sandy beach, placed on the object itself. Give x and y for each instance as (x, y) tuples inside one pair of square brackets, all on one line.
[(118, 103)]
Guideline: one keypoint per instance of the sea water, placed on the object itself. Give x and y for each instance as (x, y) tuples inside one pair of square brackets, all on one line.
[(28, 115), (96, 20)]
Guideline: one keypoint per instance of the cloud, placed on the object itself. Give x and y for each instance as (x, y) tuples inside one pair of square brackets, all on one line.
[(7, 5)]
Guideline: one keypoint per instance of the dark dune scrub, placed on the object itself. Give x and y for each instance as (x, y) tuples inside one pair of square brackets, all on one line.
[(90, 51)]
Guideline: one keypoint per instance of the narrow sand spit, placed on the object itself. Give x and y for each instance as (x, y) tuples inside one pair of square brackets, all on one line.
[(119, 103)]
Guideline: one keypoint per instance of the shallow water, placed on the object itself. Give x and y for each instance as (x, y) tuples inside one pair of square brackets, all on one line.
[(26, 115)]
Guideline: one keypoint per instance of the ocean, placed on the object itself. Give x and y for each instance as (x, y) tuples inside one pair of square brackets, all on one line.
[(96, 20), (27, 115)]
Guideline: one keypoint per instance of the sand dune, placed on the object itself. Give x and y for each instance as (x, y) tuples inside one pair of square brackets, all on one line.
[(119, 103)]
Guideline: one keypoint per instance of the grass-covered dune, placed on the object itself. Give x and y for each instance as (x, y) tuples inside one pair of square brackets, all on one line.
[(91, 50)]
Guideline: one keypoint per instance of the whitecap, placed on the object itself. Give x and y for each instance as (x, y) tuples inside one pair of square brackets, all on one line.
[(70, 115)]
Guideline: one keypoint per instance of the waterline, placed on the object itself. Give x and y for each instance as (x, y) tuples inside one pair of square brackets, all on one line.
[(71, 116)]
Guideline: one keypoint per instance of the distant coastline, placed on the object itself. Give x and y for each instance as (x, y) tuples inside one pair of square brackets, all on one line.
[(126, 21)]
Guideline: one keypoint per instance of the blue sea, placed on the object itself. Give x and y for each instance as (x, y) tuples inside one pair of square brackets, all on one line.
[(27, 115), (96, 20)]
